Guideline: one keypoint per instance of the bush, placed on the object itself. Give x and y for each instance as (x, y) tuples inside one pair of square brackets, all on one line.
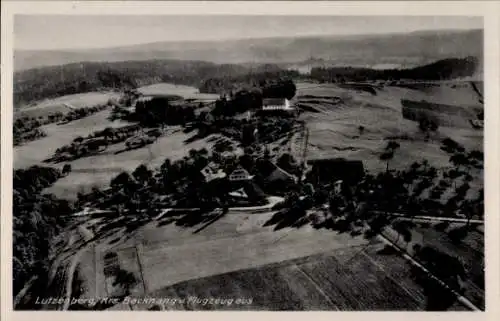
[(442, 226), (458, 234)]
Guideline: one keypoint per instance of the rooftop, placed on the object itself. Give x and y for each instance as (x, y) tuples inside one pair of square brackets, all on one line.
[(273, 101)]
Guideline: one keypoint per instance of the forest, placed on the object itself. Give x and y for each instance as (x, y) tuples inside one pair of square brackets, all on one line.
[(48, 82), (36, 223), (440, 70)]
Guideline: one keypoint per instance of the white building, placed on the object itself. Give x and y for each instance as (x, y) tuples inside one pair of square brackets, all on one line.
[(277, 104)]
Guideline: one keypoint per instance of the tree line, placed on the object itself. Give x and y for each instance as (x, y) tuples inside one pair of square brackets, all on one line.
[(27, 128), (48, 82), (440, 70), (265, 79)]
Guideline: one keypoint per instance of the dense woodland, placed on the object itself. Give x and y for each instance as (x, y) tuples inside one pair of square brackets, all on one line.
[(36, 223), (48, 82), (439, 70)]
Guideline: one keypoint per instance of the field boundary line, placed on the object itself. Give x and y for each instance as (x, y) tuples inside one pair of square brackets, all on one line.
[(389, 276), (432, 218), (318, 288), (408, 257)]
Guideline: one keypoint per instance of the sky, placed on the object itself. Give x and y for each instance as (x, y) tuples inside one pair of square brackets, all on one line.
[(37, 32)]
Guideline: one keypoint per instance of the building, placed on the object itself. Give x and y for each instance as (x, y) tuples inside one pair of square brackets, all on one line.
[(240, 174), (277, 106), (212, 171)]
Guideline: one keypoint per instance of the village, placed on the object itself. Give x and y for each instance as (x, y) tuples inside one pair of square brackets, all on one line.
[(294, 173), (249, 170)]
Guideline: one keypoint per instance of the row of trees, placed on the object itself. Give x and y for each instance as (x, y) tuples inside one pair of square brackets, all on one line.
[(160, 111), (97, 141), (268, 80), (439, 70), (27, 128)]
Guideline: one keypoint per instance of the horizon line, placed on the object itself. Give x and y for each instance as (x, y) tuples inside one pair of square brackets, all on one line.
[(305, 36)]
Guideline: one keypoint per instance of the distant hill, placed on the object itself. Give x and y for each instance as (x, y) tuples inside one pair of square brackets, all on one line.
[(408, 49)]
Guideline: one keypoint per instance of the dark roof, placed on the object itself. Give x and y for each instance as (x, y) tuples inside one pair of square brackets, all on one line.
[(338, 168), (273, 101)]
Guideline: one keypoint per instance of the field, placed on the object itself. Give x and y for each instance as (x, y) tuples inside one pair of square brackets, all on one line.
[(338, 280), (238, 257), (97, 170), (35, 152), (334, 130), (60, 104), (187, 92)]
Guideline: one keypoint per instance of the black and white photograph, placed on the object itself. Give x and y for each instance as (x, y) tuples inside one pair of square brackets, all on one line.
[(248, 162)]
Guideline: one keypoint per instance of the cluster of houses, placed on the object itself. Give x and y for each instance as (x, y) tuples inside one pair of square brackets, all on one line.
[(334, 172), (242, 182)]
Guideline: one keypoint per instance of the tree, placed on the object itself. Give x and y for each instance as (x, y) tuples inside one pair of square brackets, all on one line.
[(402, 228), (458, 234), (459, 160), (476, 158), (450, 146), (387, 156), (388, 152), (142, 174), (361, 129), (427, 125), (66, 169), (121, 180)]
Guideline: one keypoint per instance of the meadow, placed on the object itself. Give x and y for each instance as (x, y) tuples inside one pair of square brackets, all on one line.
[(239, 256), (334, 130), (60, 104), (187, 92), (346, 279), (97, 170)]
